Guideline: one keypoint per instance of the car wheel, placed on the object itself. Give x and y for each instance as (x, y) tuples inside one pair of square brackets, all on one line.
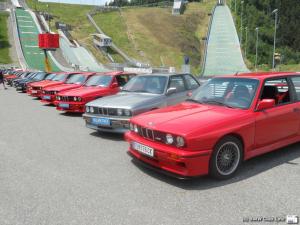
[(226, 158)]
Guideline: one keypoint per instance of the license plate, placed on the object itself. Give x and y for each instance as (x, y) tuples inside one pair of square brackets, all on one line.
[(47, 97), (143, 149), (33, 92), (101, 121), (63, 105)]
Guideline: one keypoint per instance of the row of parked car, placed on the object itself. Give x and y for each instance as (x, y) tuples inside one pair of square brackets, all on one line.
[(170, 123)]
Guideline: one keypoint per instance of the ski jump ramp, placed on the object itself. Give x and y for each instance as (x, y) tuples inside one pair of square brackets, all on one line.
[(223, 52)]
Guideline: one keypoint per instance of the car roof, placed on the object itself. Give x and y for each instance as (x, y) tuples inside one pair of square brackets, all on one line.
[(262, 75)]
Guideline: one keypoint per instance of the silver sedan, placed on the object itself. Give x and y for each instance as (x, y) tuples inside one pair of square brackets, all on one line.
[(141, 94)]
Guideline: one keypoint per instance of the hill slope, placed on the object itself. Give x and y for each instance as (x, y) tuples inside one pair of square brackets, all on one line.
[(149, 34), (4, 44)]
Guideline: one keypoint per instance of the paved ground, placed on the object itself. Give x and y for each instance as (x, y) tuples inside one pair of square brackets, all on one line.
[(53, 170), (223, 51)]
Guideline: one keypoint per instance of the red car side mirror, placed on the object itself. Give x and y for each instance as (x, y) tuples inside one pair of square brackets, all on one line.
[(265, 104), (114, 85)]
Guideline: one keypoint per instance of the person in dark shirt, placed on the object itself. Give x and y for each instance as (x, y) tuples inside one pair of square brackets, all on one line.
[(2, 79)]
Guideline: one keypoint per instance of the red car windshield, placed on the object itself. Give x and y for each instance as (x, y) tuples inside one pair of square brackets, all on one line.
[(101, 81), (76, 79), (229, 92), (50, 76), (146, 84), (60, 77)]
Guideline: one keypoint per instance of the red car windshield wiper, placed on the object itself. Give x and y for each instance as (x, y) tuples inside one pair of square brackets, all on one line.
[(217, 103)]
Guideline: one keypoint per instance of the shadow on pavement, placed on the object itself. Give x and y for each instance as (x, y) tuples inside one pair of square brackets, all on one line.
[(247, 170), (108, 136), (69, 114)]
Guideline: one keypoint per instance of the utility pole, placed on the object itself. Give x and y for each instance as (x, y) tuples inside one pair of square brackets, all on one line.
[(275, 31), (241, 36), (246, 44), (256, 48)]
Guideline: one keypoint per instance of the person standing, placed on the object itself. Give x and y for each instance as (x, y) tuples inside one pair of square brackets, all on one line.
[(2, 79)]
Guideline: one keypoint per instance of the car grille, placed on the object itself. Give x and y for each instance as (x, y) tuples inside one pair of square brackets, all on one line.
[(50, 92), (151, 134), (105, 111), (66, 98)]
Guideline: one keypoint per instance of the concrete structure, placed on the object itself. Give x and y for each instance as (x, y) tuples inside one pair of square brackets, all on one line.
[(223, 52), (177, 7)]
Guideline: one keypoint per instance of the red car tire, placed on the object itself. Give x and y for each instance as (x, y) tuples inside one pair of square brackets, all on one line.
[(226, 158)]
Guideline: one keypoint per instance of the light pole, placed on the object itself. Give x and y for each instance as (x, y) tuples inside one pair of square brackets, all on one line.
[(256, 48), (241, 40), (246, 42), (235, 6), (275, 30)]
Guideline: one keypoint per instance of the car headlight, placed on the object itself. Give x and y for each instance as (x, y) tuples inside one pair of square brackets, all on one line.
[(75, 99), (180, 141), (87, 109), (169, 139), (58, 98), (120, 112), (92, 109), (136, 130), (131, 126), (79, 99), (127, 112), (55, 92), (44, 92)]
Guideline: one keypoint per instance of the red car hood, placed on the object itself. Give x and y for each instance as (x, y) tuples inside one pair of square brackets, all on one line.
[(83, 91), (39, 83), (49, 83), (190, 117), (62, 87)]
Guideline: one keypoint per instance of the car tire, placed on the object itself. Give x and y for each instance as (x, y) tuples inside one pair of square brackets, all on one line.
[(226, 158)]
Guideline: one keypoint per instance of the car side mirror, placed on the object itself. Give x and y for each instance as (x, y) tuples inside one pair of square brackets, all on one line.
[(114, 85), (171, 90), (265, 104)]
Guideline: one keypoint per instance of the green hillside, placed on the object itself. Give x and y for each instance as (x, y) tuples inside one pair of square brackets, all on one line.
[(259, 14), (4, 44)]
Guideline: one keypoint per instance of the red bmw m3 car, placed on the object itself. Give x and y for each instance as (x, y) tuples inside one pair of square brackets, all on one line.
[(98, 86), (228, 120), (75, 81)]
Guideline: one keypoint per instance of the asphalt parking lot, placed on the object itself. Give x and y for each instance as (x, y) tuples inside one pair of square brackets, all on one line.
[(53, 170)]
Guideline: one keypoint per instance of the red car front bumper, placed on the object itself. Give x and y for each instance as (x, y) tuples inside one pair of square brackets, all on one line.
[(35, 93), (49, 99), (76, 107), (179, 162)]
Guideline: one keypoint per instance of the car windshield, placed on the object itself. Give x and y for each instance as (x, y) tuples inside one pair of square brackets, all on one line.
[(99, 80), (146, 84), (76, 79), (60, 77), (50, 76), (39, 76), (229, 92)]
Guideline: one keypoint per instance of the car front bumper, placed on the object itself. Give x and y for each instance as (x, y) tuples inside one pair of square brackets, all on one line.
[(49, 100), (180, 163), (75, 107), (117, 124)]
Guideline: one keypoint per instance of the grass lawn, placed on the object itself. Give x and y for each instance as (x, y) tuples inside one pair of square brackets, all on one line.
[(4, 44), (153, 35)]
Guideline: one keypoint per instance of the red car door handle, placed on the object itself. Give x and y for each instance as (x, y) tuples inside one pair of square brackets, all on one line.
[(296, 110)]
